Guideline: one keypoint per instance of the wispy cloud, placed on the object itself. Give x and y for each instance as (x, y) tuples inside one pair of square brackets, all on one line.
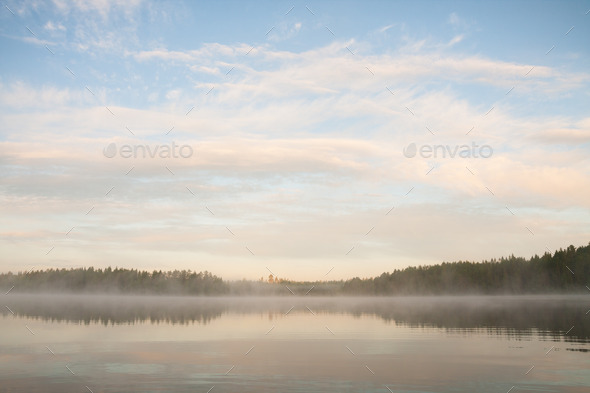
[(102, 7), (385, 28), (51, 26), (456, 39)]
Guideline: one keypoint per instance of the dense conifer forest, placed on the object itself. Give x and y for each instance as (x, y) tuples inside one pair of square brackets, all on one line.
[(565, 271)]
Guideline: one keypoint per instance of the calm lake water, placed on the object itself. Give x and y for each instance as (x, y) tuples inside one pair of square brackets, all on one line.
[(54, 343)]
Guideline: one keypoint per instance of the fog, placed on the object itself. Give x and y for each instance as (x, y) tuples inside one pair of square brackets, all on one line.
[(520, 316)]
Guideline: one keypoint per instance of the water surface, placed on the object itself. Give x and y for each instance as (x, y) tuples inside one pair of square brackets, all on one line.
[(298, 344)]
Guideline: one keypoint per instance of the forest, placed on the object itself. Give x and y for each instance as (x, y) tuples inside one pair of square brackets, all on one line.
[(565, 271)]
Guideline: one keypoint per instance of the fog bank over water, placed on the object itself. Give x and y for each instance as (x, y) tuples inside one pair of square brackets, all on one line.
[(518, 316)]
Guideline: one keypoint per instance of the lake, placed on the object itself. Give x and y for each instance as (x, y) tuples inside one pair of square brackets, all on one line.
[(90, 343)]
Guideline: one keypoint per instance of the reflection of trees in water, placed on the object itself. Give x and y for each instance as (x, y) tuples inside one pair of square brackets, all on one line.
[(111, 310), (515, 317)]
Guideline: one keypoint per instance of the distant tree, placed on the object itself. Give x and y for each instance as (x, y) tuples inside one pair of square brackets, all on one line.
[(565, 271)]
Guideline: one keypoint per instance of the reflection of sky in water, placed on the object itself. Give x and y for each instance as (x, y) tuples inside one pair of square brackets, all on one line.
[(130, 368), (327, 350)]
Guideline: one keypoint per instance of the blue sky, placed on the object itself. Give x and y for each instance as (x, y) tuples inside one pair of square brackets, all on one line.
[(297, 115)]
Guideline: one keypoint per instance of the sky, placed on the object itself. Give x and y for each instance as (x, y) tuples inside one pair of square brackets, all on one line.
[(312, 140)]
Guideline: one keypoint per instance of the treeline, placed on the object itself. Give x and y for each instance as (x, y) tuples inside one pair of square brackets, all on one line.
[(177, 282), (565, 271)]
